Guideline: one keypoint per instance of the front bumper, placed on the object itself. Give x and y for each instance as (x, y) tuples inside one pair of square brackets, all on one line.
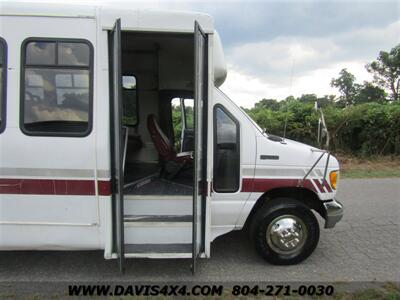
[(333, 213)]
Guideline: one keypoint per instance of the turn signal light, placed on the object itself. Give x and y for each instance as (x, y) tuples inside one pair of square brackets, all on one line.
[(333, 176)]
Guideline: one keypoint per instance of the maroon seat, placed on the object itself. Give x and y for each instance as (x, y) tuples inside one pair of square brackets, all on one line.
[(163, 145)]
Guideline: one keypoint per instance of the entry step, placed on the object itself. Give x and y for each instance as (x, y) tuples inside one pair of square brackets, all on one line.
[(158, 229), (158, 250), (158, 205)]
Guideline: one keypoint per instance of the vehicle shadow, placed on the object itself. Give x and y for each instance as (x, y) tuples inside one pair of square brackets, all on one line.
[(229, 249)]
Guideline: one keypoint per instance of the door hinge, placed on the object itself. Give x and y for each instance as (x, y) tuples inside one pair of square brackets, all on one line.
[(209, 188)]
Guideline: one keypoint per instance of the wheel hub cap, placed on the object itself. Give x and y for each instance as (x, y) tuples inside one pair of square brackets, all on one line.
[(286, 234)]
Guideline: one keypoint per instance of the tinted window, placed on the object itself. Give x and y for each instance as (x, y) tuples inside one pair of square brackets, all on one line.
[(3, 70), (226, 151), (74, 54), (56, 94), (41, 53), (129, 100)]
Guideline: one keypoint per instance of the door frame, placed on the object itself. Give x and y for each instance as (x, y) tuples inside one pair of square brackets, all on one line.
[(116, 143), (200, 185)]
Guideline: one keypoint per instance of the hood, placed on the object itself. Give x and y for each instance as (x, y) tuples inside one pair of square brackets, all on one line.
[(272, 150)]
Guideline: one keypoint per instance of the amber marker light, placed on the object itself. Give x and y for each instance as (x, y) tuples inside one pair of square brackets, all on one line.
[(333, 176)]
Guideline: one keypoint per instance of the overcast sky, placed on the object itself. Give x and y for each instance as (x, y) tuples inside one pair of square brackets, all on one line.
[(279, 48)]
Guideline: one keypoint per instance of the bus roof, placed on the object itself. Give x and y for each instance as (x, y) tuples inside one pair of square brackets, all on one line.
[(132, 18)]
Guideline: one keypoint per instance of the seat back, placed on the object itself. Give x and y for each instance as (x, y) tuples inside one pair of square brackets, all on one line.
[(163, 145)]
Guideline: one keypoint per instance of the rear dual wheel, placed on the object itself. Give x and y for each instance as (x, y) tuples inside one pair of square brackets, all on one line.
[(285, 231)]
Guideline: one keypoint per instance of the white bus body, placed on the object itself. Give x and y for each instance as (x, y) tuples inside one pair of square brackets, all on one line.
[(77, 171)]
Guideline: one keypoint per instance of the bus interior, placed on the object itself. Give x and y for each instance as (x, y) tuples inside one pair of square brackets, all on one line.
[(157, 113)]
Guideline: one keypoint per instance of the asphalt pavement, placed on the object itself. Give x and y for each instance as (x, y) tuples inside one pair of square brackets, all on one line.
[(364, 246)]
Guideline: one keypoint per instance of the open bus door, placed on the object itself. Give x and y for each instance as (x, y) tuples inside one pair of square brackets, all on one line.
[(200, 148), (117, 145)]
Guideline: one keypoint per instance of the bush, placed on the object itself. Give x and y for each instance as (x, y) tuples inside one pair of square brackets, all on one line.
[(366, 129)]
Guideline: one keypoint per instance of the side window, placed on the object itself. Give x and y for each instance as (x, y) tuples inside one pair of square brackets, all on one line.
[(129, 100), (189, 113), (3, 83), (57, 88), (182, 123), (176, 110), (226, 151)]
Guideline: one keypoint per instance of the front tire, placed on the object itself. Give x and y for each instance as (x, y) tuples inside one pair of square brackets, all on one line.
[(285, 231)]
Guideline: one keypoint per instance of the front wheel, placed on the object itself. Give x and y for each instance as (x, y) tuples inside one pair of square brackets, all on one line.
[(285, 232)]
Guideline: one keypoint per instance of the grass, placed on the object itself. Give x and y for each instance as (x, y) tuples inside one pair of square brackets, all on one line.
[(389, 291), (376, 167)]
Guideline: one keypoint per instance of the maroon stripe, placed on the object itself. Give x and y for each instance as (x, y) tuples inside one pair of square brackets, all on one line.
[(104, 187), (262, 185), (318, 184), (308, 185), (53, 187), (326, 185), (87, 187), (247, 185)]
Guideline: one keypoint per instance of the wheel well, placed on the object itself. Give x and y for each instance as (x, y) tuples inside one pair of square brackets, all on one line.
[(305, 196)]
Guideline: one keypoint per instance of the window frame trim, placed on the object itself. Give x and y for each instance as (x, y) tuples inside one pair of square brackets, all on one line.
[(137, 100), (23, 66), (237, 123), (3, 95)]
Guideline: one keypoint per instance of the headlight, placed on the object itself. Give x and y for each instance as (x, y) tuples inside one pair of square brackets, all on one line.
[(333, 176)]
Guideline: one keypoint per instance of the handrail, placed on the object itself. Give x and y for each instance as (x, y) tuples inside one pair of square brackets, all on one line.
[(126, 131)]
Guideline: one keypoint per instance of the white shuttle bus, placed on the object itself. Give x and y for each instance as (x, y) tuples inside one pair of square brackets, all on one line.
[(114, 135)]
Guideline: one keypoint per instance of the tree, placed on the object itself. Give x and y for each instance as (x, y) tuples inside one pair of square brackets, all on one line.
[(386, 71), (290, 99), (326, 100), (308, 98), (346, 85), (369, 93), (271, 104)]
